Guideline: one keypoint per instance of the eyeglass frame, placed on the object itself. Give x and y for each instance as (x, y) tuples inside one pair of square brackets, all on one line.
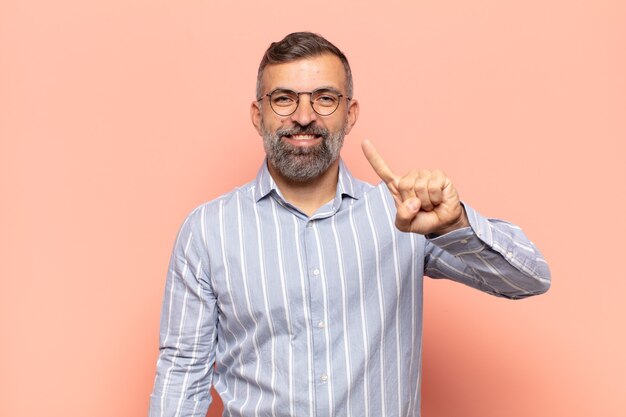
[(310, 93)]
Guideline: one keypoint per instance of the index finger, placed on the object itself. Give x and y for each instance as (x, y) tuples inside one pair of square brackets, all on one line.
[(380, 166)]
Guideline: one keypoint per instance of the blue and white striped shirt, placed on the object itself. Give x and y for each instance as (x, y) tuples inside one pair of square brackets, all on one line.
[(289, 315)]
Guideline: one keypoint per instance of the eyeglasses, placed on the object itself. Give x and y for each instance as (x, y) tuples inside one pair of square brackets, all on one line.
[(324, 101)]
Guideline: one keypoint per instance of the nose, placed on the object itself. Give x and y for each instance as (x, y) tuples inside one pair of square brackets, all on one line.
[(304, 114)]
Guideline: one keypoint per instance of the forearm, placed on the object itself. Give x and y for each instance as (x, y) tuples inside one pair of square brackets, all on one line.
[(182, 384), (188, 334), (491, 255)]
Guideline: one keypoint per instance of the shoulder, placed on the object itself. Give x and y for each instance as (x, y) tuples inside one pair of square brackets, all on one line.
[(209, 212)]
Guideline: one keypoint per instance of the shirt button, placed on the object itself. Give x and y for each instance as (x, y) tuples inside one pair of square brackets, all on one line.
[(463, 240), (309, 224), (324, 377), (321, 324), (316, 272)]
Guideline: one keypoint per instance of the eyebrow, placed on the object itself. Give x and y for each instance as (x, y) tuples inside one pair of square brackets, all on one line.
[(329, 88)]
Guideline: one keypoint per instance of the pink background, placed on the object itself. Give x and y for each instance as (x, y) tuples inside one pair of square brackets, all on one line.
[(117, 118)]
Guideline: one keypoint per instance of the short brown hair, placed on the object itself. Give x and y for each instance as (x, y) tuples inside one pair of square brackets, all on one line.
[(300, 45)]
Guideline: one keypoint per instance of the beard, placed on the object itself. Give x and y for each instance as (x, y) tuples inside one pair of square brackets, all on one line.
[(302, 164)]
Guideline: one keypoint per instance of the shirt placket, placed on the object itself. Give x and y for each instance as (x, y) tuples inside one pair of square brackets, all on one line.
[(316, 280)]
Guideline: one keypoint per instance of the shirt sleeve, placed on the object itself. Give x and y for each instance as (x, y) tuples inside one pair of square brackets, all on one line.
[(188, 331), (491, 255)]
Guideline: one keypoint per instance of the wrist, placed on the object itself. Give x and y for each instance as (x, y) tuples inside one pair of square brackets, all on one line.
[(459, 223)]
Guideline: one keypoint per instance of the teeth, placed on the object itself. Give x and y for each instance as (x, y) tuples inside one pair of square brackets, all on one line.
[(303, 137)]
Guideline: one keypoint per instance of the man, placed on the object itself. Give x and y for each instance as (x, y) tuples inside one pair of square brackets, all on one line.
[(300, 293)]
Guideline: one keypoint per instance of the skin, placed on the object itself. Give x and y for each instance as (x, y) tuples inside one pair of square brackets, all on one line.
[(426, 201)]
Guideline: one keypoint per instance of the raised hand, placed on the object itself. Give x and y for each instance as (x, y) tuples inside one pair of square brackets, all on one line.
[(426, 201)]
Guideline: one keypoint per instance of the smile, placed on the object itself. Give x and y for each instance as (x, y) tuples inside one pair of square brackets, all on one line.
[(303, 137)]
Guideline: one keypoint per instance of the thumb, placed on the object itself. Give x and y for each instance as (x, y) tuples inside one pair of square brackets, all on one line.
[(406, 213)]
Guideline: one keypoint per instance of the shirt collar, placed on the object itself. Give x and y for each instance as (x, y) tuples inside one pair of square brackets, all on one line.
[(265, 184)]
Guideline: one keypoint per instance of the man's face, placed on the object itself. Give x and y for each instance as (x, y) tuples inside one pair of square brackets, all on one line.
[(304, 145)]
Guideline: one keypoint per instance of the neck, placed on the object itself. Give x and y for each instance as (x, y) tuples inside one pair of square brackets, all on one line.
[(308, 196)]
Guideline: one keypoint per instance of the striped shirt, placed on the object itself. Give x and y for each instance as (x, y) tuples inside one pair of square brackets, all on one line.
[(290, 315)]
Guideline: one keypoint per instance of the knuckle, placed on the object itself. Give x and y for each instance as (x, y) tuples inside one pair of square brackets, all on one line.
[(421, 184), (420, 188), (433, 189), (406, 182)]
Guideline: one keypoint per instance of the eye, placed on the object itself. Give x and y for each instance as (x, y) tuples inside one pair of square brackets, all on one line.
[(283, 98), (326, 99)]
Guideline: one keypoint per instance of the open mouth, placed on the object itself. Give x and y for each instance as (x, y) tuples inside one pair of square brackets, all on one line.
[(303, 140), (302, 137)]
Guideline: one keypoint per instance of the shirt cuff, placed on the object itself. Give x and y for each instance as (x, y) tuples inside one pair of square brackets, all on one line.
[(164, 406)]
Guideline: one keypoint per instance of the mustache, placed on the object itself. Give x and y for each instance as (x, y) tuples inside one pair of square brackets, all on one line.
[(303, 130)]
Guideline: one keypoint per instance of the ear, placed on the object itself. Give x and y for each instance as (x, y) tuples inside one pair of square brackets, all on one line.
[(353, 115), (255, 115)]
